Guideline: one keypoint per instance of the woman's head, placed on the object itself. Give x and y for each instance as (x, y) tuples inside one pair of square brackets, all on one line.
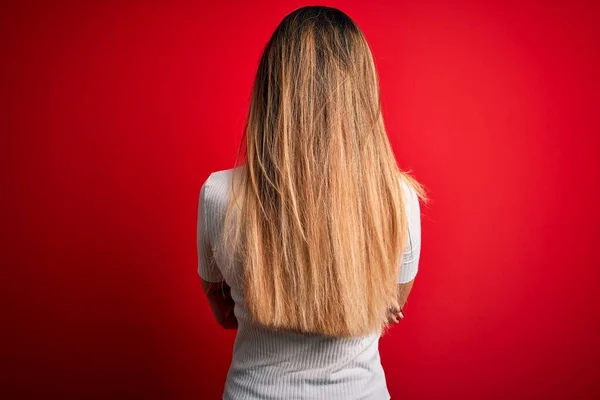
[(316, 72), (317, 219)]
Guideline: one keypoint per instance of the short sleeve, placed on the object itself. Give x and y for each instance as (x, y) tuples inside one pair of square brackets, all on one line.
[(412, 249), (207, 267)]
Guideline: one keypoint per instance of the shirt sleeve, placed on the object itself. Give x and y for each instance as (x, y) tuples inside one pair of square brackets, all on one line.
[(412, 249), (207, 267)]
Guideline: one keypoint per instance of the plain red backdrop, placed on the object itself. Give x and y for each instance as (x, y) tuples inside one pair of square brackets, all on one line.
[(114, 113)]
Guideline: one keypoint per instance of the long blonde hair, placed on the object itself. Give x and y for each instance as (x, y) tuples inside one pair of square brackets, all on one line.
[(316, 218)]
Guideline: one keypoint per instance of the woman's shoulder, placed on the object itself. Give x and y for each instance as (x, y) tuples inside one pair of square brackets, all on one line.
[(216, 188), (223, 177), (219, 177), (410, 192), (219, 182)]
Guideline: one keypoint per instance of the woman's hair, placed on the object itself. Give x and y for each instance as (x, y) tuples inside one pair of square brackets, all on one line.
[(316, 217)]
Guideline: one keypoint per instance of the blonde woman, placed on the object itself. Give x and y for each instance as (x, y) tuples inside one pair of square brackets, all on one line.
[(310, 246)]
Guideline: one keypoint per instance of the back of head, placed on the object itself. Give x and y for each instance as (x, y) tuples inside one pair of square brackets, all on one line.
[(317, 219)]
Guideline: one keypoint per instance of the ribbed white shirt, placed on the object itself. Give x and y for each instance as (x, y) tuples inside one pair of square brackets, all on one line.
[(269, 364)]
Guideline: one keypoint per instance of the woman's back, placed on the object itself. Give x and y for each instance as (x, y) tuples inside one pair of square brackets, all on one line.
[(278, 364)]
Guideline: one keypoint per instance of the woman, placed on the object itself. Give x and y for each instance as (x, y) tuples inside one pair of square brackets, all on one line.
[(311, 246)]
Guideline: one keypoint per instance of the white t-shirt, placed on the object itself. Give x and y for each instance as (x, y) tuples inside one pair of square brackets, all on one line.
[(268, 364)]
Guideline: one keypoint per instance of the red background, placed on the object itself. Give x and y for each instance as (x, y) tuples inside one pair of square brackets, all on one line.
[(113, 115)]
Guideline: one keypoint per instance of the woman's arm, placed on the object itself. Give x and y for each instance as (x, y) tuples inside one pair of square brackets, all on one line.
[(411, 256), (214, 286), (403, 292), (221, 303)]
